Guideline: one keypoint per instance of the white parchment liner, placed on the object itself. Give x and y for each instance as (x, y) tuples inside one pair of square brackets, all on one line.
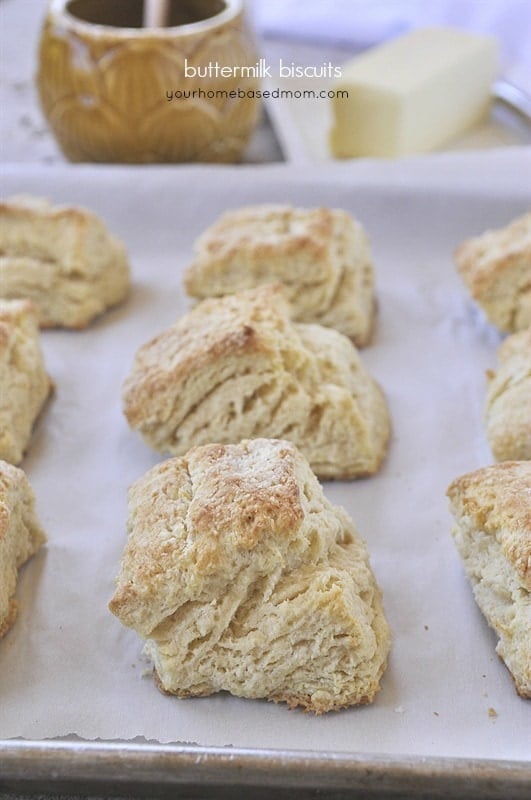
[(69, 667)]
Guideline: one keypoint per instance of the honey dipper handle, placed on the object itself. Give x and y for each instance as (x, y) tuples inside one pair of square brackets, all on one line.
[(155, 13)]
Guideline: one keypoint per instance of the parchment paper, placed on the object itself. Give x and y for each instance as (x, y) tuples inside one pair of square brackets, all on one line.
[(69, 667)]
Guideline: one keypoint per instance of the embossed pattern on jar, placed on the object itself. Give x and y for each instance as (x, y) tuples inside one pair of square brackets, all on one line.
[(114, 93)]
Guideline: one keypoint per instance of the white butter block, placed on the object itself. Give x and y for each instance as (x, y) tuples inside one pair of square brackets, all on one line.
[(413, 94)]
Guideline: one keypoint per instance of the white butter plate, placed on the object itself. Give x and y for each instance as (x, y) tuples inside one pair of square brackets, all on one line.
[(302, 123)]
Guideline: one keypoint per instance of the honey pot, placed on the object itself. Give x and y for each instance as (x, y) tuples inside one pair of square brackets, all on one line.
[(113, 90)]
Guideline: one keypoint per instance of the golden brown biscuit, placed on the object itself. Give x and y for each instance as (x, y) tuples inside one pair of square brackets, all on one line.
[(20, 536), (508, 405), (492, 510), (496, 268), (242, 577), (237, 367), (322, 257), (24, 384), (61, 258)]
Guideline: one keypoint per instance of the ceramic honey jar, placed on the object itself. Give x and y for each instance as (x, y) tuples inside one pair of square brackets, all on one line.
[(114, 91)]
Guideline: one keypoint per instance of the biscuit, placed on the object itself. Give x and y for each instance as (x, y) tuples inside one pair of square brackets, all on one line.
[(496, 268), (236, 367), (321, 256), (23, 379), (242, 577), (20, 536), (508, 405), (63, 259), (492, 510)]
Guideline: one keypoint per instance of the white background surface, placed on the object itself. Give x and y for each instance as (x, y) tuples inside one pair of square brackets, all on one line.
[(68, 667), (355, 24)]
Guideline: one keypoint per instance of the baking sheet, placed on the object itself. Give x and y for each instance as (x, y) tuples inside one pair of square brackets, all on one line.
[(69, 668)]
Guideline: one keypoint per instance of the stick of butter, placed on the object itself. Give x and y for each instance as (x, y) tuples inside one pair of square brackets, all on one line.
[(413, 94)]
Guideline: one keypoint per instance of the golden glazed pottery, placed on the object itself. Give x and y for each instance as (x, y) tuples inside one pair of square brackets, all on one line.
[(104, 81)]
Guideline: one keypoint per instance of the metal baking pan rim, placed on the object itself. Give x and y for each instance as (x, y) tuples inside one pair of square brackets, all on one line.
[(137, 768)]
